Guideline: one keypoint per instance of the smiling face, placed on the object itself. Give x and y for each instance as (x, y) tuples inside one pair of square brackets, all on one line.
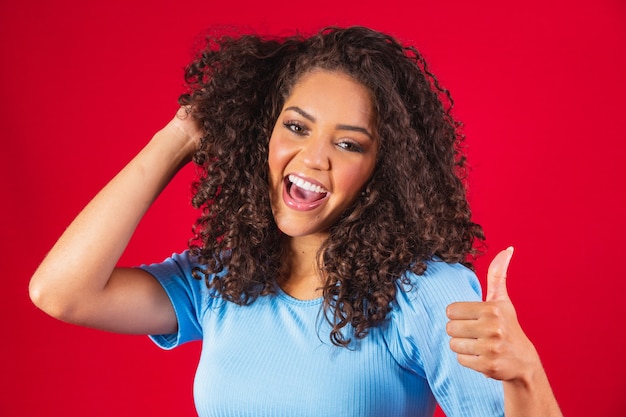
[(322, 152)]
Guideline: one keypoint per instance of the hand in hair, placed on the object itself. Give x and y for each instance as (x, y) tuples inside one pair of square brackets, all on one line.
[(185, 128), (79, 281)]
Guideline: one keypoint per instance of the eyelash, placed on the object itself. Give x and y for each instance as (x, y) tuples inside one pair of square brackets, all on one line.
[(351, 146), (300, 129), (295, 127)]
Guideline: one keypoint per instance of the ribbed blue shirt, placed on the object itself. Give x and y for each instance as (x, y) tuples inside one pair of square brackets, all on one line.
[(274, 357)]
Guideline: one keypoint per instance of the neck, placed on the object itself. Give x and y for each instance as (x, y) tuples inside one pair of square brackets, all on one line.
[(301, 277)]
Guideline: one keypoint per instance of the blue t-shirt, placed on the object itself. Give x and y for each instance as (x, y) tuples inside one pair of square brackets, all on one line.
[(274, 357)]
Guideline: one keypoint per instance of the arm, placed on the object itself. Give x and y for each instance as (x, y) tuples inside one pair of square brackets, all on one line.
[(488, 338), (78, 281)]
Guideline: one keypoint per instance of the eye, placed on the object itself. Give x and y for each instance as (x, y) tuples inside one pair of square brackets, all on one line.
[(351, 146), (296, 127)]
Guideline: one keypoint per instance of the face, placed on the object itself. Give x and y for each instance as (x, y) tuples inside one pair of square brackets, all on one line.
[(322, 152)]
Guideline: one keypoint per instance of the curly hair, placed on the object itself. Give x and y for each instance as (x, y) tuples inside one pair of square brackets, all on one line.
[(413, 209)]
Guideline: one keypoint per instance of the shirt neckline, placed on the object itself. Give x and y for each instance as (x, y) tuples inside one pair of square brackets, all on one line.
[(296, 301)]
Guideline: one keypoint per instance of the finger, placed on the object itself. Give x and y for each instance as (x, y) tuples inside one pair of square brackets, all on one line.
[(496, 276), (474, 362), (471, 329), (469, 310), (491, 368), (183, 112), (464, 346)]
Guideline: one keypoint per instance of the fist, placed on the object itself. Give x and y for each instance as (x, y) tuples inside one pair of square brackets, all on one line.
[(486, 336)]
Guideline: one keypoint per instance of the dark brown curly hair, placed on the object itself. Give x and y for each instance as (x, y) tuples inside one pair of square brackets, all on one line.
[(413, 209)]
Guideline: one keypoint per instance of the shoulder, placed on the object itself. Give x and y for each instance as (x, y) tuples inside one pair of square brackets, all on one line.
[(176, 275), (190, 297), (182, 262), (183, 265), (418, 312), (415, 332), (442, 282), (417, 339)]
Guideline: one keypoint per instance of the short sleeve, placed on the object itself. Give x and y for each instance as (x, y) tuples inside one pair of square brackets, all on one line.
[(419, 341), (187, 294)]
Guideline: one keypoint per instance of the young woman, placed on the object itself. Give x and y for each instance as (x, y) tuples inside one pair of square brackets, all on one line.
[(329, 273)]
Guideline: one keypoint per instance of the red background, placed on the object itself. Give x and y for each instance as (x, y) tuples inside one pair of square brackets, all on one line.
[(539, 84)]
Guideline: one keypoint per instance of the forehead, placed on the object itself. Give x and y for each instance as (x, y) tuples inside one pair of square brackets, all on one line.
[(333, 93)]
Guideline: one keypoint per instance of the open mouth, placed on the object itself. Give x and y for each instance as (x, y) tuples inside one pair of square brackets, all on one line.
[(304, 192)]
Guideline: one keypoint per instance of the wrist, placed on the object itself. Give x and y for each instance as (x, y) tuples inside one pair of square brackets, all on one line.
[(529, 368), (177, 146), (530, 394), (181, 135), (177, 142)]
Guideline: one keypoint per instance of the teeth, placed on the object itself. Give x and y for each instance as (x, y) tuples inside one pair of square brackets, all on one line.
[(299, 182)]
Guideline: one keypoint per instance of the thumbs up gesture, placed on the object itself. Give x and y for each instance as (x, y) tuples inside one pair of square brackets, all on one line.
[(486, 336)]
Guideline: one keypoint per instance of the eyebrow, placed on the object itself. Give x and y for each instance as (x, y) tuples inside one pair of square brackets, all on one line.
[(339, 126)]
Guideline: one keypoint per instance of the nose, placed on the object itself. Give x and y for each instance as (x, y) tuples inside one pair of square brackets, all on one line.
[(316, 153)]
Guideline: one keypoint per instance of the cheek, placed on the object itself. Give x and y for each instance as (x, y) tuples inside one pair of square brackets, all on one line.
[(276, 159), (281, 149), (355, 177)]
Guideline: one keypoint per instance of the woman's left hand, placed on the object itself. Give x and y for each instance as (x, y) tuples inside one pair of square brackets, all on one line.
[(486, 336)]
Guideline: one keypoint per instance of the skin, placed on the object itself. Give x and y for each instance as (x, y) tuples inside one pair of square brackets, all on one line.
[(78, 281), (325, 136), (487, 337)]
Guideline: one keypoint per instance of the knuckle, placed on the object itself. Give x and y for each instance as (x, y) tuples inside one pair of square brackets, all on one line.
[(497, 333), (495, 349), (492, 311), (492, 369)]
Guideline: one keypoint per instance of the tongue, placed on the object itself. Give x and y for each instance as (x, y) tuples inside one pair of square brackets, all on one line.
[(304, 196)]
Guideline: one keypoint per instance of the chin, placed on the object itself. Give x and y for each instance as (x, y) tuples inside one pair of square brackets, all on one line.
[(293, 231)]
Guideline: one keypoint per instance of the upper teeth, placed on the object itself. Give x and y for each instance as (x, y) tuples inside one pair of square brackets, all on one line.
[(299, 182)]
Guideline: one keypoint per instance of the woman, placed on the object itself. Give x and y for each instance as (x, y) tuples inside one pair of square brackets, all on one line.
[(330, 264)]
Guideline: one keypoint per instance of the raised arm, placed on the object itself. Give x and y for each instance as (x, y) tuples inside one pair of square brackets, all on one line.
[(78, 281), (488, 338)]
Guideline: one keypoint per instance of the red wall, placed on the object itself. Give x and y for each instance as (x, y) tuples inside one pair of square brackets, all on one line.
[(539, 84)]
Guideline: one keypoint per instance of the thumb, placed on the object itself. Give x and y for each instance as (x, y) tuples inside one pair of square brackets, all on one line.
[(496, 276)]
